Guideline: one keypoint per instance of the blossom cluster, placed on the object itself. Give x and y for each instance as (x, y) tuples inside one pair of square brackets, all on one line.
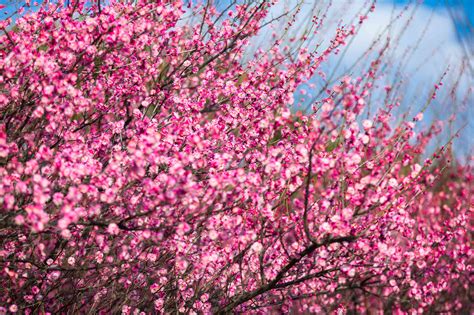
[(145, 168)]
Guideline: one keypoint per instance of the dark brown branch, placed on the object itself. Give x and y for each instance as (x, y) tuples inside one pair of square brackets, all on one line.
[(244, 297)]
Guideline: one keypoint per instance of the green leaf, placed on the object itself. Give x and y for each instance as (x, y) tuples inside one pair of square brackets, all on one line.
[(43, 47), (332, 145)]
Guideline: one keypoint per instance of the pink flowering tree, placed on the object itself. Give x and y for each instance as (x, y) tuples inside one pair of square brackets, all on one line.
[(146, 168)]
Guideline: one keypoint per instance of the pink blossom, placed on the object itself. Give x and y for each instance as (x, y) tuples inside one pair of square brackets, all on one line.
[(150, 164)]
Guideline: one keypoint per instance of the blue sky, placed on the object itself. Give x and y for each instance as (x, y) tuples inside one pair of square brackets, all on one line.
[(465, 7)]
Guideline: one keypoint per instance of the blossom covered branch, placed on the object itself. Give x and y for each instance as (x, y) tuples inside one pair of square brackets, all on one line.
[(145, 167)]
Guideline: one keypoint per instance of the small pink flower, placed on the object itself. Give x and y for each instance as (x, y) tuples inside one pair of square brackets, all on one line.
[(71, 260), (392, 182), (113, 229), (356, 159), (418, 117), (19, 219), (367, 124), (347, 213)]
